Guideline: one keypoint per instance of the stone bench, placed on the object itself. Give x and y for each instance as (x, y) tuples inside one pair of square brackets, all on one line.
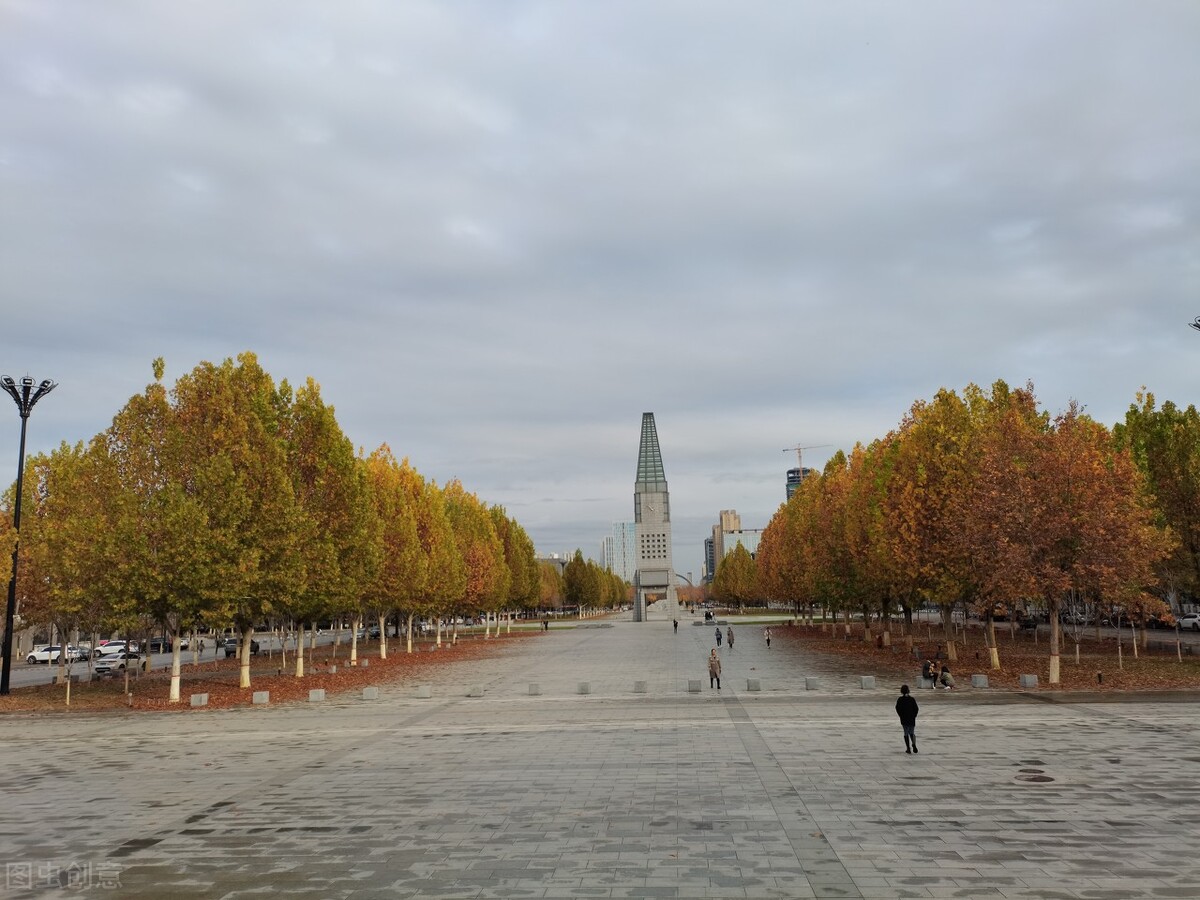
[(639, 687), (316, 695), (1029, 682), (812, 683), (867, 682), (693, 685), (583, 688), (261, 697), (979, 681), (199, 700), (370, 693), (753, 684)]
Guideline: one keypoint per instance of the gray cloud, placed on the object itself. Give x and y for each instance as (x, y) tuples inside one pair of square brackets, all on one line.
[(497, 233)]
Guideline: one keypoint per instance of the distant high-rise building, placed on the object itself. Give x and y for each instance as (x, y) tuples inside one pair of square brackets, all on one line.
[(620, 550), (794, 477), (726, 535)]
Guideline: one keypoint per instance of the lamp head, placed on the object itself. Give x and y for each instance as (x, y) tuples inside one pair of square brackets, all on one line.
[(1195, 324)]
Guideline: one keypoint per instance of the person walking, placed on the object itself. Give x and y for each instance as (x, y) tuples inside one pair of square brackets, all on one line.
[(718, 637), (907, 709), (714, 669), (767, 635), (729, 636), (675, 625)]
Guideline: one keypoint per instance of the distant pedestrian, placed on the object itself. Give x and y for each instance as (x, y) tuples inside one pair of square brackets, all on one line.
[(714, 669), (767, 635), (947, 679), (202, 648), (729, 636), (718, 637), (907, 709), (675, 625)]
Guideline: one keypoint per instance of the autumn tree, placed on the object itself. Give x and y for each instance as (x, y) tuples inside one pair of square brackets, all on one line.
[(736, 581)]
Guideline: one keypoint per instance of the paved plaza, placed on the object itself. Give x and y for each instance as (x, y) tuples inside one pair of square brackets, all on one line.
[(782, 792)]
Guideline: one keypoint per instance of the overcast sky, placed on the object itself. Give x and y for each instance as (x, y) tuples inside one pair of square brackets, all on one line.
[(496, 233)]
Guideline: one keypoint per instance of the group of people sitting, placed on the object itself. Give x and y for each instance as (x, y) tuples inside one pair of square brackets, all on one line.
[(930, 671)]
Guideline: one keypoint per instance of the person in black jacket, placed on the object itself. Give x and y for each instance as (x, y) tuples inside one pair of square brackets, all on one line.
[(907, 709)]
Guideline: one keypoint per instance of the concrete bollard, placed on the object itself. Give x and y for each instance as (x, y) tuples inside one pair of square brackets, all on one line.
[(1029, 681), (199, 699), (639, 687), (693, 685), (535, 689), (476, 690), (812, 684), (979, 681), (364, 662), (316, 695), (867, 682), (333, 670), (370, 693), (584, 688), (753, 684), (261, 697), (425, 691)]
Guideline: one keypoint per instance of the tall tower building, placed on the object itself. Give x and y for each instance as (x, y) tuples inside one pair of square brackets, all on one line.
[(654, 579)]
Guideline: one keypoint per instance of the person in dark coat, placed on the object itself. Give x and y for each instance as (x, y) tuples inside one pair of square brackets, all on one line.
[(907, 709), (928, 670), (718, 635)]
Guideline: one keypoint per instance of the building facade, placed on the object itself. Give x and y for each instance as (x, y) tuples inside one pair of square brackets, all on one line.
[(654, 576)]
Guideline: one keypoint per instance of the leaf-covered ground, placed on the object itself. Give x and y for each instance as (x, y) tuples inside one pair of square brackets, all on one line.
[(1158, 668), (219, 678)]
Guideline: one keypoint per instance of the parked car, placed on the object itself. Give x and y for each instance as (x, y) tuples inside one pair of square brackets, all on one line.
[(54, 653), (163, 645), (1191, 620), (109, 648), (112, 663), (373, 633), (231, 648)]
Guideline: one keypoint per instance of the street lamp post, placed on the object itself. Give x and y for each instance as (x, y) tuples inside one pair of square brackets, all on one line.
[(26, 395)]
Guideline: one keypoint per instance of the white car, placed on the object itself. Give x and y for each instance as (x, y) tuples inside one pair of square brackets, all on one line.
[(112, 663), (1191, 620), (53, 653)]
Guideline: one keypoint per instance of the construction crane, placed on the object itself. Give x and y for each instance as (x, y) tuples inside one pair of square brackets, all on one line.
[(799, 451)]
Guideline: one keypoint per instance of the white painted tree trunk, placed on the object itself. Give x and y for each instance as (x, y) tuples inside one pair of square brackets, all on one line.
[(383, 637), (176, 654), (409, 638), (244, 668), (300, 651), (357, 623), (1055, 643)]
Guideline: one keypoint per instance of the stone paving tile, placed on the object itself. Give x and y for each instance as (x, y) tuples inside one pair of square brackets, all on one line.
[(781, 793)]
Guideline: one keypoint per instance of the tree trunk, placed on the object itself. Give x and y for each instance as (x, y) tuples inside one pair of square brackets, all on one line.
[(437, 631), (244, 668), (383, 636), (990, 640), (357, 624), (1055, 642), (410, 632), (948, 632), (300, 650), (174, 693)]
